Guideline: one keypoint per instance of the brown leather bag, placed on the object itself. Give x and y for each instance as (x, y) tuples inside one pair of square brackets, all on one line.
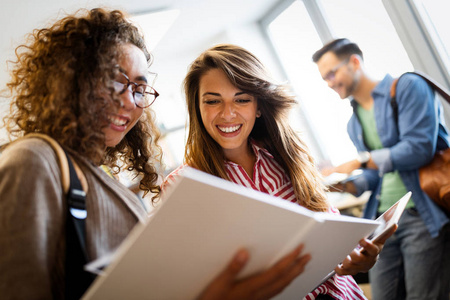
[(434, 177)]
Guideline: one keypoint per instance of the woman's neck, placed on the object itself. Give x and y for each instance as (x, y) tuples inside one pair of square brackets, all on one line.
[(364, 93), (246, 158)]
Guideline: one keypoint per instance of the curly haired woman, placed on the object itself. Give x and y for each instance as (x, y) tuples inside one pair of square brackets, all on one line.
[(84, 82), (64, 85)]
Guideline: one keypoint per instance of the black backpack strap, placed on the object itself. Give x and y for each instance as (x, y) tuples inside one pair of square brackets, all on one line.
[(77, 279), (76, 200)]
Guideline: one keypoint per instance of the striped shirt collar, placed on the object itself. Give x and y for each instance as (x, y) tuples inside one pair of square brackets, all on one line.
[(268, 176), (257, 150)]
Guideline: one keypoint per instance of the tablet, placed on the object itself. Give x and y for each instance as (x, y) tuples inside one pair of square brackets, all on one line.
[(389, 218)]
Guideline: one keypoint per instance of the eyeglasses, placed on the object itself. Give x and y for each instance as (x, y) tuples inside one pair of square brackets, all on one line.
[(143, 94), (332, 74)]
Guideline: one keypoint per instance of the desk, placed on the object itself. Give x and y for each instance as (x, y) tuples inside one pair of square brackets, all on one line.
[(349, 204)]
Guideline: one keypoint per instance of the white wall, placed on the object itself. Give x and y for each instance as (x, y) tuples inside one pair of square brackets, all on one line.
[(196, 29)]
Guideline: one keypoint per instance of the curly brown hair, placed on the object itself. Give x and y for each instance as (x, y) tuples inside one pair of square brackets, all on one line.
[(271, 131), (56, 83)]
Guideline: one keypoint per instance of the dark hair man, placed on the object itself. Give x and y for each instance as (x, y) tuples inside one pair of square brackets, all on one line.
[(390, 152)]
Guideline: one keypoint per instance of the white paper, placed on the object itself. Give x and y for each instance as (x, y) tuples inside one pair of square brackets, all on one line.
[(202, 223)]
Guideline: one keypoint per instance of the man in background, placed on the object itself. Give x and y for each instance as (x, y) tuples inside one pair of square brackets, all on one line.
[(390, 152)]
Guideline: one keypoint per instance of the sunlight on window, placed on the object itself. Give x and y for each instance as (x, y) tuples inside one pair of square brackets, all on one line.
[(295, 39), (368, 24), (435, 16)]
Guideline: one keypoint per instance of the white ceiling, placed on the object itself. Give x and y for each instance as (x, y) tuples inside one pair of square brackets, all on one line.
[(198, 19), (200, 23)]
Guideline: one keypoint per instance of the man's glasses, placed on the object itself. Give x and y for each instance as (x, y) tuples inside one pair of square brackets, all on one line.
[(143, 94), (332, 74)]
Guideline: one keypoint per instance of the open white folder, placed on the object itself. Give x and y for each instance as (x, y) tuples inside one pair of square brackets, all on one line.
[(203, 221)]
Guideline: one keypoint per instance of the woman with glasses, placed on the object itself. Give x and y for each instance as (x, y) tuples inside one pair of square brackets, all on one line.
[(84, 83), (238, 130)]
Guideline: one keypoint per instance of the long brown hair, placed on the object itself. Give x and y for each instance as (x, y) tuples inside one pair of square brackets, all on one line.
[(271, 130), (56, 85)]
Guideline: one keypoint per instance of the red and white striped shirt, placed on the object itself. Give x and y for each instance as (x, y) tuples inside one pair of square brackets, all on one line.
[(269, 177)]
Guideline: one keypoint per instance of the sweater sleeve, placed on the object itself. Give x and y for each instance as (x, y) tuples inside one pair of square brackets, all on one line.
[(31, 222)]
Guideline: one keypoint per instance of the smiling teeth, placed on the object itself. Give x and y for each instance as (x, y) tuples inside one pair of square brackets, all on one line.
[(229, 129), (118, 121)]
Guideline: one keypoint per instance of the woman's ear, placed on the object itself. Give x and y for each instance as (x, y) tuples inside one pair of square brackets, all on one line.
[(258, 113)]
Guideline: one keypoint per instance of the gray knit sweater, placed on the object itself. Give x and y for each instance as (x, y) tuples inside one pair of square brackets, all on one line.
[(33, 218)]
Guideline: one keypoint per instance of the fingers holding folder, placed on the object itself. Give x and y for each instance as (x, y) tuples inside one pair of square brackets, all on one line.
[(263, 285)]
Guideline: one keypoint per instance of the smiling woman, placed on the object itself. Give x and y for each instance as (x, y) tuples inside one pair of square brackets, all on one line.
[(228, 115), (228, 87), (63, 86), (239, 131), (134, 64)]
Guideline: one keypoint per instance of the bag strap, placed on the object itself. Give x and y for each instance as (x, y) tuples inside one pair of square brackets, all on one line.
[(76, 200), (61, 157), (77, 279), (435, 85)]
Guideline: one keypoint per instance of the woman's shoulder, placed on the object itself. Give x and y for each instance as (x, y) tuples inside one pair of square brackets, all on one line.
[(29, 164), (29, 172), (29, 152)]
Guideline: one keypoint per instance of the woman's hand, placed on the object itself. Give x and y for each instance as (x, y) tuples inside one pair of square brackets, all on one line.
[(364, 258), (263, 285)]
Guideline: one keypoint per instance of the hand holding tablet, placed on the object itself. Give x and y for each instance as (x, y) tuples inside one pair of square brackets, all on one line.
[(365, 255), (389, 218)]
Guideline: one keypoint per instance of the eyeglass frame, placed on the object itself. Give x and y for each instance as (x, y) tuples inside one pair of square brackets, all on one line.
[(331, 75), (133, 90)]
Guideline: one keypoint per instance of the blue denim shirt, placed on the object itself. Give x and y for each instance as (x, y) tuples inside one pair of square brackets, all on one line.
[(408, 145)]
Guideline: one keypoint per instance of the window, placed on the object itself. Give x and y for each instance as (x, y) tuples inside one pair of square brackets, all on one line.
[(368, 24), (295, 39), (433, 13)]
